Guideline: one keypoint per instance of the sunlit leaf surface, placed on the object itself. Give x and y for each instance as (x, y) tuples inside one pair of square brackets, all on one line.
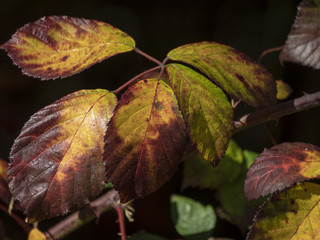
[(199, 173), (303, 43), (206, 110), (281, 166), (5, 194), (233, 71), (56, 161), (293, 214), (60, 46), (145, 139)]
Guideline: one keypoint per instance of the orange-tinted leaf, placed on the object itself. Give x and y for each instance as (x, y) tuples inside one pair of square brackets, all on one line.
[(293, 214), (233, 71), (206, 110), (56, 161), (60, 46), (303, 43), (5, 194), (145, 139), (281, 166)]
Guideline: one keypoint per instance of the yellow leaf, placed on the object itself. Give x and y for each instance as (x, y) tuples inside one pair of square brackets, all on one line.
[(36, 234)]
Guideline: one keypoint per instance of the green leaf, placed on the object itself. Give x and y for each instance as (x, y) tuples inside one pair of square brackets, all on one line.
[(206, 110), (233, 202), (145, 139), (233, 71), (199, 173), (302, 45), (145, 236), (293, 214), (56, 161), (280, 167), (192, 220), (60, 46)]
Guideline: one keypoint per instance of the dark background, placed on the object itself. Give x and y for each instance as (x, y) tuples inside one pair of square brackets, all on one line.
[(250, 26)]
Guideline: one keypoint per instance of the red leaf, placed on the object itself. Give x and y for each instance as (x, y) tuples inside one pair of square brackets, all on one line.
[(281, 166), (56, 161)]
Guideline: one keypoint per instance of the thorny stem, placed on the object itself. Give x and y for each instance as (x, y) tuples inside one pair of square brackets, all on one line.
[(21, 222), (269, 51), (83, 216), (277, 111), (136, 78), (121, 221), (148, 56)]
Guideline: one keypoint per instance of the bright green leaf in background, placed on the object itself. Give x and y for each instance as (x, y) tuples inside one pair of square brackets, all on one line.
[(232, 70), (192, 220), (234, 206), (293, 214), (206, 110), (199, 173)]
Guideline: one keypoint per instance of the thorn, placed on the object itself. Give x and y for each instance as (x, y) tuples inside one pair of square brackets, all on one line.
[(11, 205)]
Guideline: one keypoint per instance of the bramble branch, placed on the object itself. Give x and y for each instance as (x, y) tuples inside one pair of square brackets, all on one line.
[(83, 216), (277, 111)]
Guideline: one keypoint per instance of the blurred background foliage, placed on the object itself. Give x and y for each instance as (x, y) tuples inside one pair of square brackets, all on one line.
[(250, 26)]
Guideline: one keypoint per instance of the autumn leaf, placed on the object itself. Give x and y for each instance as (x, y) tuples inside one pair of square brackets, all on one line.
[(302, 45), (36, 234), (56, 161), (234, 72), (283, 90), (206, 110), (293, 214), (60, 46), (280, 167), (145, 139), (5, 194)]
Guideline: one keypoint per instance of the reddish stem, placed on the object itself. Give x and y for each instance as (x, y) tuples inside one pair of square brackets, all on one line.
[(25, 227), (264, 53), (136, 78), (148, 56), (121, 221)]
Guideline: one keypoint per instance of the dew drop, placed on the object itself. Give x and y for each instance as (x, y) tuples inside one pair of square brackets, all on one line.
[(306, 149)]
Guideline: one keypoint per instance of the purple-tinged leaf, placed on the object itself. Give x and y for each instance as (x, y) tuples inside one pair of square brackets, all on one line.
[(280, 167)]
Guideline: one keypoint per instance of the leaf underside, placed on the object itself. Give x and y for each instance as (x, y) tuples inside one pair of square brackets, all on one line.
[(303, 43), (293, 214), (145, 139), (56, 161), (233, 71), (280, 167), (206, 110), (60, 46)]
